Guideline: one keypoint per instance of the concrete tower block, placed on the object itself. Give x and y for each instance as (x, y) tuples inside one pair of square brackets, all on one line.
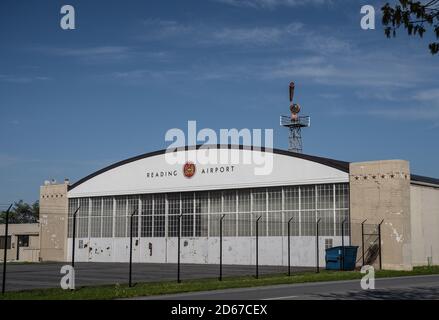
[(381, 190), (53, 222)]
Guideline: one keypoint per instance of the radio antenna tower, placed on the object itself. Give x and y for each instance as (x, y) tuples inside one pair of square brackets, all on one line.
[(294, 123)]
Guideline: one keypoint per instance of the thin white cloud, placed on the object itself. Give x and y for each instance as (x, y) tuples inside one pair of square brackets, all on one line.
[(203, 35), (22, 79), (103, 54), (89, 54), (256, 35), (89, 51), (7, 160), (158, 29), (270, 4), (294, 36), (427, 95), (429, 113), (141, 76), (375, 70)]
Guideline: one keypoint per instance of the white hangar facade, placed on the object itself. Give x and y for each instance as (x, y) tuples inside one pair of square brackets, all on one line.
[(161, 199)]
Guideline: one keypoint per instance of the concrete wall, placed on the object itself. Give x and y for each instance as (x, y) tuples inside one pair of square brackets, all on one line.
[(53, 222), (381, 190), (236, 250), (425, 224), (30, 229)]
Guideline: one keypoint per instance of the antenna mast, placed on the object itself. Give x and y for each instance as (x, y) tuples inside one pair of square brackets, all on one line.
[(294, 123)]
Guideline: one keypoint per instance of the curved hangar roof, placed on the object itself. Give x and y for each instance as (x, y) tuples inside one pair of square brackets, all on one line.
[(152, 173)]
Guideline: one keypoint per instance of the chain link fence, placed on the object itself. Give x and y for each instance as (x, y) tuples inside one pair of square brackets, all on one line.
[(213, 246)]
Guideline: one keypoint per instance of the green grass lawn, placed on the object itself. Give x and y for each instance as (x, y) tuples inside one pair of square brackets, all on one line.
[(158, 288)]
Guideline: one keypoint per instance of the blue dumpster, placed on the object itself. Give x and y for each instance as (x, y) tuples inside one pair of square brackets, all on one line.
[(341, 258)]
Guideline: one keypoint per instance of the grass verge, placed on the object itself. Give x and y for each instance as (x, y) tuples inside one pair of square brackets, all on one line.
[(159, 288)]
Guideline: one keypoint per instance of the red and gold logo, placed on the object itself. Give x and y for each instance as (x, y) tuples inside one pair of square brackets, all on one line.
[(189, 169)]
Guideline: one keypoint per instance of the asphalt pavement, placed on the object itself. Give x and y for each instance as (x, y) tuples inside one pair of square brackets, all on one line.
[(47, 275), (411, 288)]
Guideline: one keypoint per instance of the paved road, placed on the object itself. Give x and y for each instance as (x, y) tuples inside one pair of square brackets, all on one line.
[(415, 287), (47, 275)]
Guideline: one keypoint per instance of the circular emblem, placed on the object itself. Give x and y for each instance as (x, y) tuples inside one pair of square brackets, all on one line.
[(189, 169)]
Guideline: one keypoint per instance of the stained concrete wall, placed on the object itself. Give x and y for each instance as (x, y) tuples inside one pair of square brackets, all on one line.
[(425, 224), (53, 222), (236, 250), (381, 190), (14, 230)]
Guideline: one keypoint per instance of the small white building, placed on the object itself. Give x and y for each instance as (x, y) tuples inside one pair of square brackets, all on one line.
[(23, 242)]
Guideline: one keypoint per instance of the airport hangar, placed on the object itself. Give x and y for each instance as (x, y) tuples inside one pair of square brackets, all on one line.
[(300, 186)]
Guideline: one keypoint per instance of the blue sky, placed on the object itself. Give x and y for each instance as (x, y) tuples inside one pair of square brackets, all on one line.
[(74, 101)]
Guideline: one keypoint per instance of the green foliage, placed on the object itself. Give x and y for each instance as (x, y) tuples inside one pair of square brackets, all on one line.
[(22, 212), (415, 17)]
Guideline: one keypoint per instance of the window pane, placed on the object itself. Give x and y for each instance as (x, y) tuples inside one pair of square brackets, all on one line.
[(229, 221), (243, 200), (325, 196), (159, 215), (215, 202), (96, 215), (187, 209), (291, 198), (121, 218), (133, 207), (174, 212), (244, 213), (274, 223), (326, 225), (107, 217), (2, 243), (340, 216), (342, 196), (73, 205), (23, 241), (229, 201), (201, 214), (274, 199), (82, 218), (294, 223), (308, 223), (259, 200), (307, 197), (146, 216)]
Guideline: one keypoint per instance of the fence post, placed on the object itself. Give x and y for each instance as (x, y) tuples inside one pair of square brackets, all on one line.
[(289, 247), (74, 236), (6, 249), (131, 247), (349, 231), (379, 244), (362, 240), (178, 258), (342, 245), (317, 247), (221, 247), (257, 247)]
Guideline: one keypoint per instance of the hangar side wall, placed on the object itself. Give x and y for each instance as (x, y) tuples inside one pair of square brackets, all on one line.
[(236, 250), (380, 190), (425, 224)]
